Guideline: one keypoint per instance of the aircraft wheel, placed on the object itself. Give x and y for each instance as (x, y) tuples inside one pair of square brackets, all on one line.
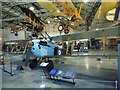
[(50, 66), (33, 63), (16, 34), (59, 52), (60, 27), (66, 31)]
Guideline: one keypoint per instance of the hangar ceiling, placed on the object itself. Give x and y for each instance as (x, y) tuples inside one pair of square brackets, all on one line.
[(11, 13)]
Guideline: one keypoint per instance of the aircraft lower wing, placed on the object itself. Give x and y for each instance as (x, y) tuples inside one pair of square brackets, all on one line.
[(104, 32)]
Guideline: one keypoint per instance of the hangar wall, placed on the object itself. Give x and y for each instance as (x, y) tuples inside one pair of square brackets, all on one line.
[(9, 36)]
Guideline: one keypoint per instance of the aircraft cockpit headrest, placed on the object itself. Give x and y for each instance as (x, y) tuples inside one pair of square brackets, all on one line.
[(40, 38)]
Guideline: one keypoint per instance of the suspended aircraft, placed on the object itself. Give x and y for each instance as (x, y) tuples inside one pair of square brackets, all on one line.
[(27, 25), (33, 20), (70, 16)]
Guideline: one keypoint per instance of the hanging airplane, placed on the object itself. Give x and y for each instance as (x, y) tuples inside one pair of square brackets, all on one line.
[(69, 15), (33, 20)]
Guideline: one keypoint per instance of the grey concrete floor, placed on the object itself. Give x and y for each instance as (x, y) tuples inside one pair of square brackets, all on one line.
[(91, 73)]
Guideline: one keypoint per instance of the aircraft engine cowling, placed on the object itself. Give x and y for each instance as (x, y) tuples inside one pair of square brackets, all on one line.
[(57, 51), (44, 48)]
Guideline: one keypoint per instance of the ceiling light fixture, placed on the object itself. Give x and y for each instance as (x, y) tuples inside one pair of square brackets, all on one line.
[(48, 21), (97, 29), (86, 1), (31, 8)]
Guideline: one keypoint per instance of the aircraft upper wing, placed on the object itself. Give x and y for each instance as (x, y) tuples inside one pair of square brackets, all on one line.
[(55, 10), (51, 8), (70, 6)]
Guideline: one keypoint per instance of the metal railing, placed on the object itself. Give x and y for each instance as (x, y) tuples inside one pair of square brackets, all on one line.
[(10, 63)]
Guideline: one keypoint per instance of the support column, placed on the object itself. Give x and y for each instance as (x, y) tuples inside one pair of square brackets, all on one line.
[(118, 66)]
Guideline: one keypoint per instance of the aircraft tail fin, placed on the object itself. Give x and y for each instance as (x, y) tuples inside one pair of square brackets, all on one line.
[(117, 14)]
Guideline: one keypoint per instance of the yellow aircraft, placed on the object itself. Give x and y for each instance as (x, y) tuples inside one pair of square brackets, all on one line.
[(70, 15)]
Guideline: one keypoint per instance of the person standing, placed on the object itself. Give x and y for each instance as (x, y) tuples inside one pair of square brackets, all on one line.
[(64, 48), (78, 46), (70, 49)]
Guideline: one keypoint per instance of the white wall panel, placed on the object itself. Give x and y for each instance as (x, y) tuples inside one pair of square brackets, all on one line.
[(1, 38), (9, 36)]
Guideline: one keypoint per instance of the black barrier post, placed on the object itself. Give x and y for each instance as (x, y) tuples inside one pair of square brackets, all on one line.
[(3, 64)]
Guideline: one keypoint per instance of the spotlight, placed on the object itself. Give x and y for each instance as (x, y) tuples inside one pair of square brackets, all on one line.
[(86, 1), (31, 8), (97, 29), (48, 21)]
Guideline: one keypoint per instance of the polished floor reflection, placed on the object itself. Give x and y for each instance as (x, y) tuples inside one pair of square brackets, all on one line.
[(91, 73)]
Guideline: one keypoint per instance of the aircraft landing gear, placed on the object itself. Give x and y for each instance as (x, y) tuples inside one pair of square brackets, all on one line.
[(66, 31), (33, 63), (65, 28), (50, 66), (16, 34)]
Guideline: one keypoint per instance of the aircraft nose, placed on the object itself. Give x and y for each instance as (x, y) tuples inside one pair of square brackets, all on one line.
[(39, 47)]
